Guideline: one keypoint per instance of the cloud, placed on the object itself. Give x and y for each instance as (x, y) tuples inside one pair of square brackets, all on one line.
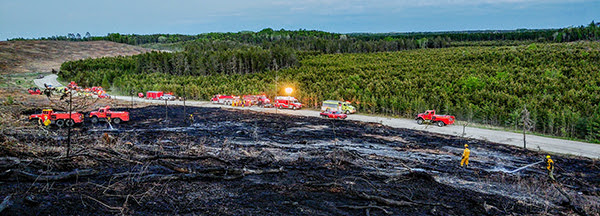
[(362, 5)]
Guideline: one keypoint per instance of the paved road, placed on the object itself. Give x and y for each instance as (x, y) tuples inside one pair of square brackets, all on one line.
[(516, 139), (50, 79)]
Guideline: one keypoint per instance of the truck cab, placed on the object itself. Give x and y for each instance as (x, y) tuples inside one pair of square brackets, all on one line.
[(46, 115)]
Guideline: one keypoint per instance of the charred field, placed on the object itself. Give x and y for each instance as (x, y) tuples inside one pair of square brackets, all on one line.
[(235, 162)]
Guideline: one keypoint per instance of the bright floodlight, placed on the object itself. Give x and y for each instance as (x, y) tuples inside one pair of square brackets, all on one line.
[(288, 90)]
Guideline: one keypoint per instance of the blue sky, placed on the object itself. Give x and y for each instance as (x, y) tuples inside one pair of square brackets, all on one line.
[(44, 18)]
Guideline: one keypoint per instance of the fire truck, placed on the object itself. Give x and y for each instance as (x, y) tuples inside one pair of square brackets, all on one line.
[(104, 113), (154, 95), (260, 100), (224, 99), (287, 102), (58, 119)]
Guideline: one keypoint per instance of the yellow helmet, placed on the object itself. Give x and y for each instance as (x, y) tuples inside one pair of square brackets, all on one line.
[(466, 145), (548, 156)]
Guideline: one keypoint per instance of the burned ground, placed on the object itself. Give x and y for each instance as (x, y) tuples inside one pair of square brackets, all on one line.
[(232, 162)]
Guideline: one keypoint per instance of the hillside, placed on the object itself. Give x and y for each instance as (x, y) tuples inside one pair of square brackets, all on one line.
[(43, 56)]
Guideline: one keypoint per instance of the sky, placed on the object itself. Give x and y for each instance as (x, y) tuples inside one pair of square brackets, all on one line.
[(45, 18)]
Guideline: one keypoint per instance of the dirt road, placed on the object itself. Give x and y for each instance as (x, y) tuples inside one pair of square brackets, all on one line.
[(516, 139)]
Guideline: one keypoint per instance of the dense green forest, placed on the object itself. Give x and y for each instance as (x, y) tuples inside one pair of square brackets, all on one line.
[(559, 83)]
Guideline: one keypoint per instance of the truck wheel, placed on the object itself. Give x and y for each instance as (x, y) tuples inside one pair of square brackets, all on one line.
[(69, 122), (347, 112), (294, 107), (440, 123), (60, 123), (94, 120), (117, 120), (420, 121)]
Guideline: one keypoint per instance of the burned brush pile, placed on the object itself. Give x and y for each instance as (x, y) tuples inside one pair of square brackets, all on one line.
[(226, 162)]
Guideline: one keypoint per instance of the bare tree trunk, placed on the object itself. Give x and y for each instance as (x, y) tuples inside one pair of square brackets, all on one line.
[(166, 110)]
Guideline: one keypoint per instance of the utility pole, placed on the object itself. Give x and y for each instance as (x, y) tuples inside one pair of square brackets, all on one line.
[(526, 124), (70, 120), (132, 92), (275, 98), (183, 93), (166, 110)]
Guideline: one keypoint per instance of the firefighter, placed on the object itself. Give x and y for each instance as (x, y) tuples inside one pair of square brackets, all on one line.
[(550, 168), (465, 156), (192, 118)]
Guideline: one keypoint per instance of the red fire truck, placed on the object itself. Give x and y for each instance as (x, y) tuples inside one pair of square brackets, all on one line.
[(154, 95), (287, 102), (58, 119), (104, 113), (224, 99)]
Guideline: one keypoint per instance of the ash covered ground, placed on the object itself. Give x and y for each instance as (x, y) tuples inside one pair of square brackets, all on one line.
[(234, 162)]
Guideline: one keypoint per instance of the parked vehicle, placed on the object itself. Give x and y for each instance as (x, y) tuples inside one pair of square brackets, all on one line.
[(287, 102), (141, 95), (223, 99), (103, 95), (340, 106), (34, 91), (264, 101), (104, 113), (439, 120), (260, 100), (333, 114), (96, 89), (154, 95), (72, 85), (167, 97), (58, 119)]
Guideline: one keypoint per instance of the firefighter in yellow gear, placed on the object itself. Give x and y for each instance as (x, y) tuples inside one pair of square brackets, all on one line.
[(465, 156), (550, 167), (47, 122), (192, 118)]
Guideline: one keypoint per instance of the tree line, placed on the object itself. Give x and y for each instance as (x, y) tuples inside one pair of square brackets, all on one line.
[(583, 32)]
